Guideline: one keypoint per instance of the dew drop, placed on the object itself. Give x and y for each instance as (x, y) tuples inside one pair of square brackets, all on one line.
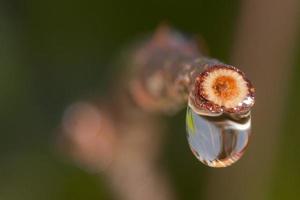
[(217, 141)]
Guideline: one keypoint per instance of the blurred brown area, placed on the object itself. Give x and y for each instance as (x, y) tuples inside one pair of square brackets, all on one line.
[(54, 53), (266, 39)]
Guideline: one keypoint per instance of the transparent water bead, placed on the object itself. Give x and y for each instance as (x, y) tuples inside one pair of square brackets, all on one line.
[(217, 141)]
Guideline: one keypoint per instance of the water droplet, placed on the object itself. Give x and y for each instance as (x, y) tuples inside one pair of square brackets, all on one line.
[(217, 141)]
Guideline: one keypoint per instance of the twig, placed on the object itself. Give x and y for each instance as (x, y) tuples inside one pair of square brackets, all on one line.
[(169, 72)]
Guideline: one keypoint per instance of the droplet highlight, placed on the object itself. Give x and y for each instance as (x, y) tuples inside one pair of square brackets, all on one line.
[(217, 141)]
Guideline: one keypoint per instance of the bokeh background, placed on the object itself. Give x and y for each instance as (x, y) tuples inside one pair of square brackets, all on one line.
[(55, 52)]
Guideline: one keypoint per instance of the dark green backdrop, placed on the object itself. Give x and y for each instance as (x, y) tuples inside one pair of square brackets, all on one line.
[(54, 52)]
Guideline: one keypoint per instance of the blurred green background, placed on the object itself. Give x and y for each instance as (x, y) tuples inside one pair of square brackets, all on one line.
[(54, 52)]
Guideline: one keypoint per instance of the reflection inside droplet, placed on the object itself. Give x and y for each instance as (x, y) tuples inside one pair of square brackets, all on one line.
[(217, 141)]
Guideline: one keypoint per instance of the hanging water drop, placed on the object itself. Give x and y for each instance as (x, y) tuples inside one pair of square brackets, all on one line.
[(217, 141)]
